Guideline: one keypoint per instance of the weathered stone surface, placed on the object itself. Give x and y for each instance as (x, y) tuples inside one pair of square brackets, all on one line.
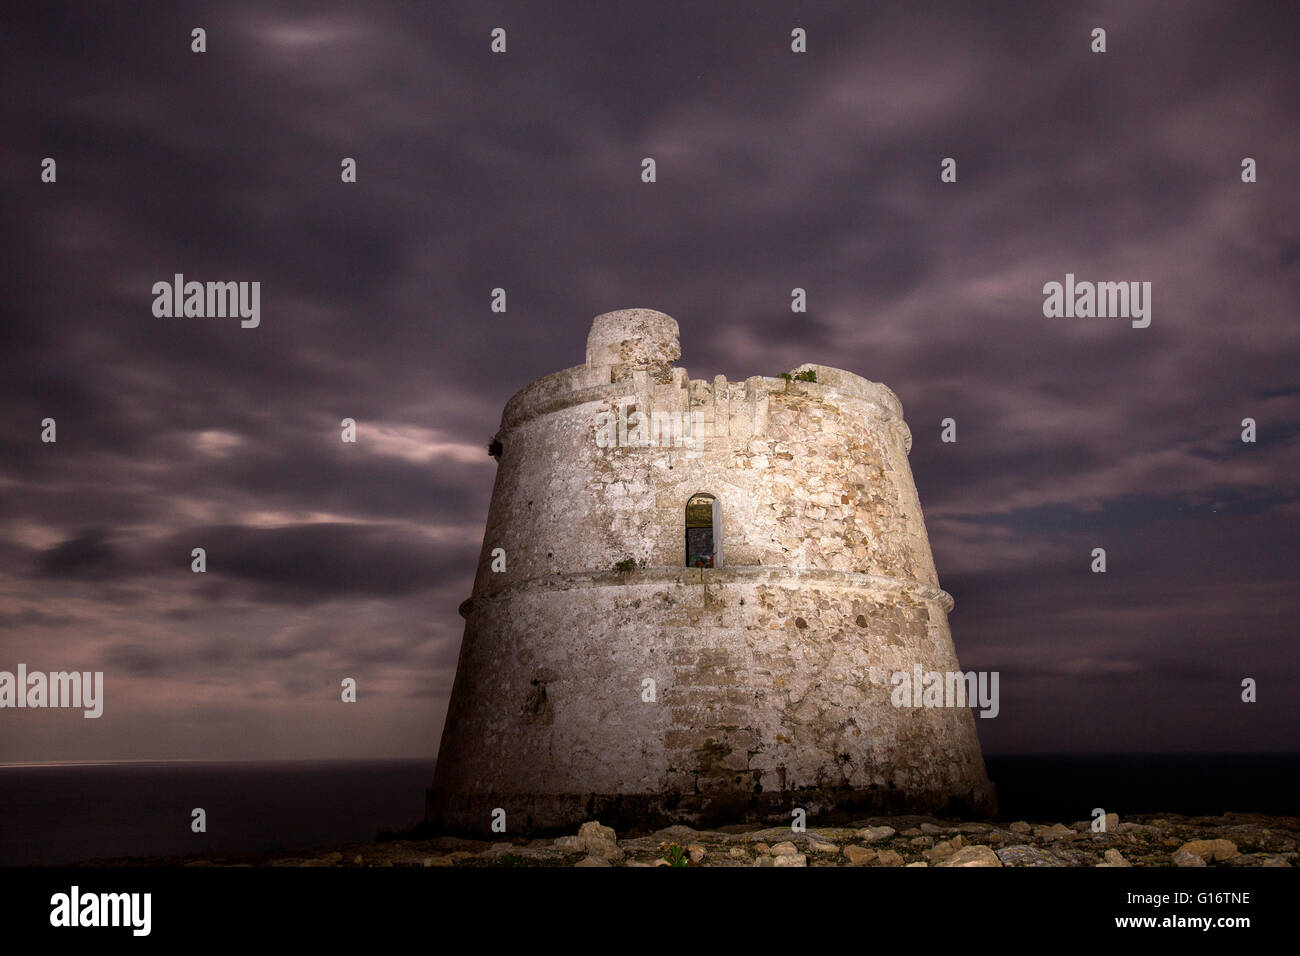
[(593, 830), (570, 844), (875, 834), (1210, 850), (772, 835), (1056, 831), (785, 849), (889, 858), (972, 856), (1023, 855), (593, 861), (1184, 858), (1116, 858), (941, 851), (823, 586), (604, 849), (796, 859), (833, 834), (859, 856)]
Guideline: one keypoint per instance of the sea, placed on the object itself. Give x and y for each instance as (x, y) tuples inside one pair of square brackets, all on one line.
[(64, 813)]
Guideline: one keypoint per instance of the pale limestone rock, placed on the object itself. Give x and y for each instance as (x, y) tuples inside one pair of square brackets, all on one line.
[(875, 834), (972, 856), (592, 830), (1210, 850), (859, 856)]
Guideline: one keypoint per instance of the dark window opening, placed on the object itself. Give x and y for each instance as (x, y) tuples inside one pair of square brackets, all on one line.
[(703, 532)]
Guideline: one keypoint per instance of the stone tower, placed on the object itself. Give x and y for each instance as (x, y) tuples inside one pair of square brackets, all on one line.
[(707, 586)]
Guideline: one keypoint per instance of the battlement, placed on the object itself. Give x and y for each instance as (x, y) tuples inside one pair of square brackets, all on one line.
[(629, 368)]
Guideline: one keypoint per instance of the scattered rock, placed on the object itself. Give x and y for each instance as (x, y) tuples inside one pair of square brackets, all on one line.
[(819, 847), (1056, 831), (859, 856), (696, 853), (572, 844), (1116, 858), (785, 849), (1210, 850), (1183, 858), (797, 859), (972, 856), (833, 834), (1024, 855), (738, 853), (890, 858), (593, 861), (947, 848), (875, 834), (1021, 827), (592, 830)]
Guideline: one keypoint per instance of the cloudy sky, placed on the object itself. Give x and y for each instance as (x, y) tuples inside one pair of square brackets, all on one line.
[(522, 171)]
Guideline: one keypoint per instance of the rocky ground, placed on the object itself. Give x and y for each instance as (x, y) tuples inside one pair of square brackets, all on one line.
[(1229, 840)]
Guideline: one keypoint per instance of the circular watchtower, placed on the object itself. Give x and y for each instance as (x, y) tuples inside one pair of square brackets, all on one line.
[(692, 601)]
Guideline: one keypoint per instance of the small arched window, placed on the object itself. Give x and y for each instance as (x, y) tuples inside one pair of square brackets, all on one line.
[(703, 532)]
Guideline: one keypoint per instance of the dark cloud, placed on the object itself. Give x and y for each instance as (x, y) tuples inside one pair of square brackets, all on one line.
[(522, 171), (88, 556)]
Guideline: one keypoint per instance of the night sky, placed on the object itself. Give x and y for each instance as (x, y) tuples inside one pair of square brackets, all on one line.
[(522, 171)]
